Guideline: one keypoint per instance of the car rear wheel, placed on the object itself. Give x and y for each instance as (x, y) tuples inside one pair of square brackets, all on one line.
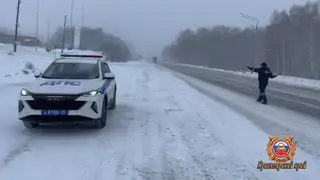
[(30, 125), (102, 121)]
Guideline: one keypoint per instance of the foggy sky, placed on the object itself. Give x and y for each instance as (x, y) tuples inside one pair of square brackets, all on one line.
[(147, 24)]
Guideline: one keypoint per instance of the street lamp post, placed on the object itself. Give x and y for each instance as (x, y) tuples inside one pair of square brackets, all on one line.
[(251, 18)]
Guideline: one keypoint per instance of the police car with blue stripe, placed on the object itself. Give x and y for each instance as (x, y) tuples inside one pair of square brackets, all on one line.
[(73, 88)]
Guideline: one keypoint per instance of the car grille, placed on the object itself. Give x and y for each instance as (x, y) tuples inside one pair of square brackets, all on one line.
[(55, 97), (65, 102)]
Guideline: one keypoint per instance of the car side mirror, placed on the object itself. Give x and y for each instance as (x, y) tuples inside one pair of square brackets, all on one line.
[(37, 74), (108, 76)]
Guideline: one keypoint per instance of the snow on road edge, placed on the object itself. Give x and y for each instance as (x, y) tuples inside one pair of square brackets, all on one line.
[(241, 130), (234, 129), (288, 80)]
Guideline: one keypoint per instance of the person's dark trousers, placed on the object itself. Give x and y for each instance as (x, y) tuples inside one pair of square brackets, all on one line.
[(262, 96)]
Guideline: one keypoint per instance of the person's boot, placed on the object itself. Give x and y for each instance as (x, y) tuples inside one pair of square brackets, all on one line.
[(264, 100), (259, 99)]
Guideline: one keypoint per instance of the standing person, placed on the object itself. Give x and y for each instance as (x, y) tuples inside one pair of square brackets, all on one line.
[(264, 73)]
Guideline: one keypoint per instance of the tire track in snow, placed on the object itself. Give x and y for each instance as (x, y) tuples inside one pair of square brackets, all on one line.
[(147, 169), (19, 149), (175, 154), (304, 142), (158, 163), (209, 158), (19, 141), (210, 164), (123, 160), (271, 125), (14, 154), (214, 165), (174, 164)]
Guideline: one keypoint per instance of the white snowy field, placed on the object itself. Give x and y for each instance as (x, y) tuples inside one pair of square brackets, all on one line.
[(288, 80), (162, 128), (20, 67)]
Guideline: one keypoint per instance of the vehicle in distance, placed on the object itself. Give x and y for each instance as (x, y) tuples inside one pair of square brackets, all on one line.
[(73, 88), (154, 59)]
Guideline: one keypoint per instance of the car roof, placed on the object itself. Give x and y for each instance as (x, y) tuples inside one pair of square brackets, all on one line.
[(78, 60)]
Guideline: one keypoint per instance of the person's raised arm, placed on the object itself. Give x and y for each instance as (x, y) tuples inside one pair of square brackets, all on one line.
[(253, 69), (271, 75)]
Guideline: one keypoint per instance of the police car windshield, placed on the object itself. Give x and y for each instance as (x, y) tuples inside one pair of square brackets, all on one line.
[(72, 71)]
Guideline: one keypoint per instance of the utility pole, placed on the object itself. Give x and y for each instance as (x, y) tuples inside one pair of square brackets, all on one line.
[(82, 26), (16, 28), (64, 33), (71, 24), (37, 26)]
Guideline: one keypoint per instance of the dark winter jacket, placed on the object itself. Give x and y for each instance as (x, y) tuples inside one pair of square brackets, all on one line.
[(264, 73)]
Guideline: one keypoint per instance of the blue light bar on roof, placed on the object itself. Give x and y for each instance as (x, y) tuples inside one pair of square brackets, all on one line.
[(84, 56)]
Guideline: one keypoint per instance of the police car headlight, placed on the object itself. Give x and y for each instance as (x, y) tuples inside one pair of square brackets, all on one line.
[(24, 92), (93, 93)]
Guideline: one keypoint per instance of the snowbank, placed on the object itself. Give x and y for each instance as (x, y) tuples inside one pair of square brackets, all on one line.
[(20, 67), (288, 80)]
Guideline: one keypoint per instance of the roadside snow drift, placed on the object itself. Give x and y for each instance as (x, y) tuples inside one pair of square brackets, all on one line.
[(288, 80), (20, 67)]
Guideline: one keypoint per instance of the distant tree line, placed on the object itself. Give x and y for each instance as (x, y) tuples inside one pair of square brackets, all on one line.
[(93, 39), (289, 44)]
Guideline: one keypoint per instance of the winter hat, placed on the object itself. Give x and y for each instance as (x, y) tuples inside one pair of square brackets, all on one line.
[(264, 64)]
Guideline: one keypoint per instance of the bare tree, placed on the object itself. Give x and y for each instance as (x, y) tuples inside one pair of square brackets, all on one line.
[(289, 44), (95, 39)]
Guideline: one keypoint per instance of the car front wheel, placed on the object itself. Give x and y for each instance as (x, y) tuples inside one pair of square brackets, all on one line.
[(30, 125), (114, 100), (102, 121)]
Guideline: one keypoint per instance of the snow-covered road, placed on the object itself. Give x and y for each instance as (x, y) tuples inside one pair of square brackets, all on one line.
[(161, 129), (302, 99)]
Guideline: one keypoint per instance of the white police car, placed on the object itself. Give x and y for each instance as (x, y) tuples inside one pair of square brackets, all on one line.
[(73, 88)]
